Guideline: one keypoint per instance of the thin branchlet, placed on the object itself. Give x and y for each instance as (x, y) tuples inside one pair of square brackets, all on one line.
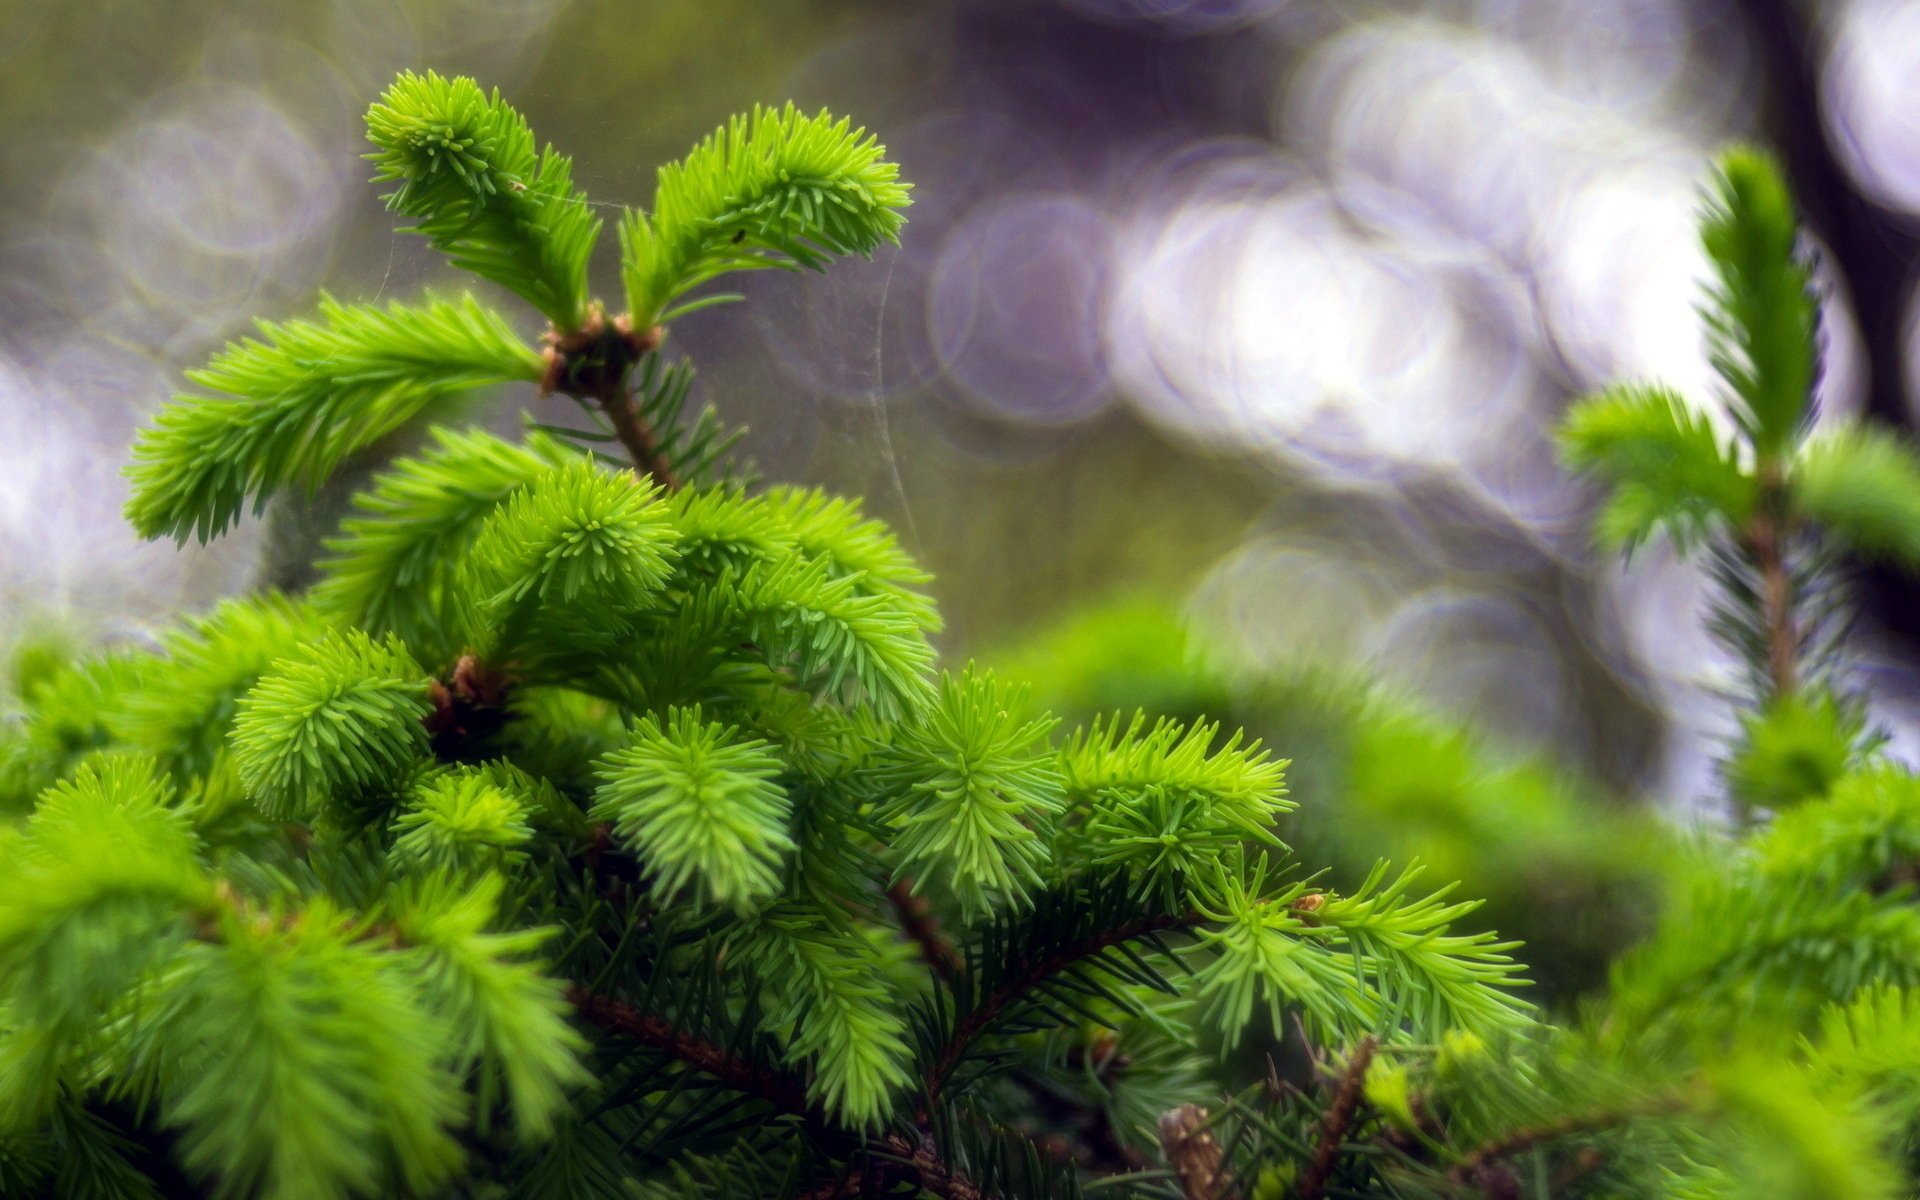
[(1338, 1120)]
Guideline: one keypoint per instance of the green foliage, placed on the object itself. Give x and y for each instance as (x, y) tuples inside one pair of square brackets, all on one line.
[(1762, 313), (185, 710), (1793, 749), (1376, 959), (68, 714), (395, 566), (828, 999), (468, 170), (1759, 1040), (1665, 465), (1160, 797), (288, 410), (462, 824), (505, 1018), (1778, 608), (306, 1069), (575, 537), (831, 632), (609, 832), (1864, 487), (776, 188), (701, 805), (333, 720), (974, 793)]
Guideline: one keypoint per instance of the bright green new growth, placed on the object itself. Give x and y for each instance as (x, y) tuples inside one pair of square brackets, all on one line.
[(976, 792), (604, 830), (1762, 315), (329, 722), (598, 826), (1666, 468), (700, 805), (1775, 503), (469, 170), (289, 410), (776, 188)]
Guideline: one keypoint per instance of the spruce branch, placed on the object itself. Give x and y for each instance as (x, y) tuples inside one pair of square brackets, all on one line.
[(922, 928), (1765, 542), (1476, 1161), (283, 881), (1347, 1096), (775, 188), (467, 168), (929, 1171), (1017, 979), (289, 409), (593, 364), (782, 1092)]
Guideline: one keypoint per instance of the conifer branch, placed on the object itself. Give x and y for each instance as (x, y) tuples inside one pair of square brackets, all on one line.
[(282, 880), (1765, 542), (593, 364), (1024, 979), (935, 1175), (923, 929), (1528, 1137), (1336, 1122), (783, 1092), (914, 1161)]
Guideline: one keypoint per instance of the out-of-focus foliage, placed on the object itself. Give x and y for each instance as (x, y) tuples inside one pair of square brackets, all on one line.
[(1756, 1038), (1564, 866)]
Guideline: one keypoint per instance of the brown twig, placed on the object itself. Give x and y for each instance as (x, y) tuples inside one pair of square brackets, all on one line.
[(923, 928), (933, 1174), (1337, 1120), (593, 363), (778, 1089), (1519, 1141), (916, 1161), (1766, 544), (992, 1005), (638, 439), (782, 1091)]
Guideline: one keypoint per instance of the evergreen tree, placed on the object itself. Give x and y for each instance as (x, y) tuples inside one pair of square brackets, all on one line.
[(599, 823)]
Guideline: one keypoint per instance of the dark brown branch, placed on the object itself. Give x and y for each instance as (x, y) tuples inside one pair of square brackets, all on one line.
[(919, 924), (1530, 1137), (781, 1091), (932, 1174), (637, 438), (991, 1006), (593, 363), (1337, 1120), (903, 1160)]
